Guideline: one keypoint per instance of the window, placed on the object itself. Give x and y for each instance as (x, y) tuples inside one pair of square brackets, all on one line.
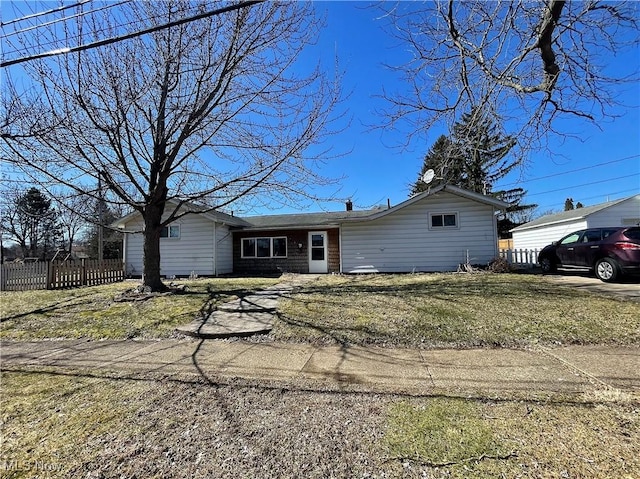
[(172, 231), (590, 236), (248, 247), (572, 238), (280, 247), (264, 247), (444, 220)]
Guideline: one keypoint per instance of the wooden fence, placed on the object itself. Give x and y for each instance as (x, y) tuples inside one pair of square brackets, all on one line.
[(60, 274), (522, 258)]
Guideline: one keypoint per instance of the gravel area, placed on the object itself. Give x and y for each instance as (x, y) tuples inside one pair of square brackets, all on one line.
[(203, 430)]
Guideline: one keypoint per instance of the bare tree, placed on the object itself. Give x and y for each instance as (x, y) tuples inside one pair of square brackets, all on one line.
[(74, 215), (531, 63), (213, 110)]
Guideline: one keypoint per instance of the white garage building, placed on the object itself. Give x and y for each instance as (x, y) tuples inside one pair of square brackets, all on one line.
[(537, 234)]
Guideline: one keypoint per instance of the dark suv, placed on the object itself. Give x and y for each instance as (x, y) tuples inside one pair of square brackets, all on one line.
[(609, 252)]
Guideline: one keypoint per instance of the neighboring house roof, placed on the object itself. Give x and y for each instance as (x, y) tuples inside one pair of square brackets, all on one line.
[(335, 218), (568, 216)]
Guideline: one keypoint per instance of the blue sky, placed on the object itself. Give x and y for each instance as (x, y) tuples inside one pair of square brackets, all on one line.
[(603, 165)]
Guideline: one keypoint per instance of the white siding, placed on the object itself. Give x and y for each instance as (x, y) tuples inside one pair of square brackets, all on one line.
[(403, 242), (192, 252), (626, 213), (224, 249), (538, 238)]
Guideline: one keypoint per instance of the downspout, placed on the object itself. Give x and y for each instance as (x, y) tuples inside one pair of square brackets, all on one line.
[(496, 251)]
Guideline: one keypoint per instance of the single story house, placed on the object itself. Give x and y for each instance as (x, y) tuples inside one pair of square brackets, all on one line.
[(539, 233), (432, 231)]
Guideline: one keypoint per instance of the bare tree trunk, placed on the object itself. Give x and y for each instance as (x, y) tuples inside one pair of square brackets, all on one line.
[(151, 248)]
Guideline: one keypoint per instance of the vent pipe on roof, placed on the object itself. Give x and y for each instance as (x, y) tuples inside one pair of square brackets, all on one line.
[(349, 205)]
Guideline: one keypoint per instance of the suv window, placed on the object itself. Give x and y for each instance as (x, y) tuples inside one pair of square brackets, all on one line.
[(633, 233), (572, 238), (591, 235), (608, 232)]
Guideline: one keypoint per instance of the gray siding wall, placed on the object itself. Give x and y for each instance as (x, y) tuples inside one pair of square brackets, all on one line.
[(192, 252), (626, 213), (403, 242), (538, 238)]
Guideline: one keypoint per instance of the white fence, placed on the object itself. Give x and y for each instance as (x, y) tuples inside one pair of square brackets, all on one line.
[(521, 258)]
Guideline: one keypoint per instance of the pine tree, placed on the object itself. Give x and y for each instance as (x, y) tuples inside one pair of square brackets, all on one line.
[(32, 222), (568, 204), (440, 159), (475, 158)]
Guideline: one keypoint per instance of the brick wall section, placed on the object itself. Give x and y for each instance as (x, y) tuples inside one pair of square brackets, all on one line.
[(296, 261)]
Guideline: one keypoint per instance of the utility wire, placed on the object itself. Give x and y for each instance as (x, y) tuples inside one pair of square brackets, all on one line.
[(48, 12), (63, 19), (584, 184), (108, 41), (570, 171)]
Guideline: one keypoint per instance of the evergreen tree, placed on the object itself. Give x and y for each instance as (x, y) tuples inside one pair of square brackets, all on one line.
[(440, 159), (475, 158), (568, 204), (482, 150), (32, 222)]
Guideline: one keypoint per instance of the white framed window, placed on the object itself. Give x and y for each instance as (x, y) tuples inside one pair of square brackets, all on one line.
[(265, 247), (443, 220), (171, 231)]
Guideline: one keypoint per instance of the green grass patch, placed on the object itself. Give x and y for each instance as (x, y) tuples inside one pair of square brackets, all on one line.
[(47, 419), (92, 313), (444, 431), (473, 439), (454, 310)]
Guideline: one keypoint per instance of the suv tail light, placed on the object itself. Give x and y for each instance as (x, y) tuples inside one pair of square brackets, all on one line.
[(626, 245)]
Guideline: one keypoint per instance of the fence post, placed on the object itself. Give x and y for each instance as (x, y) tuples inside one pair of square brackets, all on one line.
[(50, 274), (83, 273)]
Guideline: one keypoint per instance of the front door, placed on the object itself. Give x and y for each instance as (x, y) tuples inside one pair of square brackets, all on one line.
[(318, 252)]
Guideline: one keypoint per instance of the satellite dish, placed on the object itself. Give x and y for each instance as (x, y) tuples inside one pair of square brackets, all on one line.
[(428, 176)]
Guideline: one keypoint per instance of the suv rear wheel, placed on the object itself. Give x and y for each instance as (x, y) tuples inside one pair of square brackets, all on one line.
[(607, 270), (547, 266)]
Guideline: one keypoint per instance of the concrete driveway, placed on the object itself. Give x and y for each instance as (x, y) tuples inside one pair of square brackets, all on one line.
[(627, 288)]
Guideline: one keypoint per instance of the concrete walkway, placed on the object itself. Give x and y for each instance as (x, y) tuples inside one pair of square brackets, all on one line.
[(588, 370), (246, 316)]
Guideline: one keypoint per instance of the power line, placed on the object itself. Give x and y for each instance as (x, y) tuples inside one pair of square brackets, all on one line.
[(107, 41), (48, 12), (579, 186), (570, 171), (63, 19)]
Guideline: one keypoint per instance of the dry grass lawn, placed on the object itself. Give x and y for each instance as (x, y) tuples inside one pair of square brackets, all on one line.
[(70, 425), (454, 310), (92, 313)]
